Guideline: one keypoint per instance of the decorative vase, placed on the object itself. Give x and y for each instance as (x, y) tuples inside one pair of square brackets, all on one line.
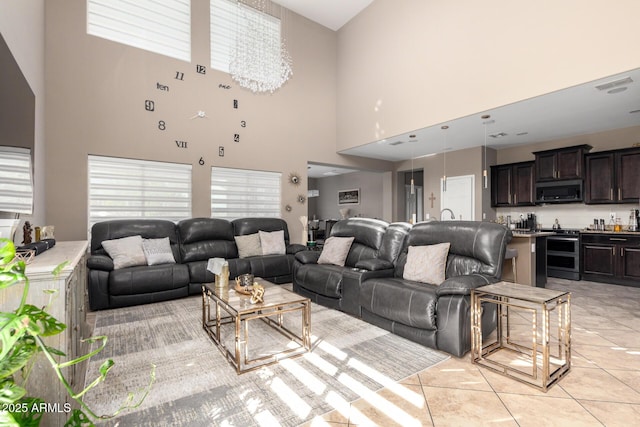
[(344, 213)]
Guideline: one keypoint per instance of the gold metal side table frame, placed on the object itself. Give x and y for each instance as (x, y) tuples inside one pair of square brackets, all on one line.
[(549, 355), (223, 306)]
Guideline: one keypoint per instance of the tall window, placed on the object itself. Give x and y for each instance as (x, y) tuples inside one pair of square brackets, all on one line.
[(16, 186), (160, 26), (126, 188), (226, 23), (239, 193)]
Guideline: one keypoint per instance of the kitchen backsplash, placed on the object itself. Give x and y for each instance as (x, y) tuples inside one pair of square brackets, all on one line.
[(570, 215)]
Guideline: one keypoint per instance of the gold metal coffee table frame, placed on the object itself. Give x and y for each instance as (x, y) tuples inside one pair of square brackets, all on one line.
[(549, 355), (224, 306)]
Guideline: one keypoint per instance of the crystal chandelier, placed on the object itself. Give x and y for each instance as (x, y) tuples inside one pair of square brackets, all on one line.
[(260, 61)]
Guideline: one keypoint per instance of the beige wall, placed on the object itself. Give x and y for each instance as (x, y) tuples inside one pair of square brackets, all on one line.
[(95, 105), (405, 65), (22, 26)]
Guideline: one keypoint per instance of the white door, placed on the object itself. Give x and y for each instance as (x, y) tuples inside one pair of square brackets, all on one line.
[(459, 197)]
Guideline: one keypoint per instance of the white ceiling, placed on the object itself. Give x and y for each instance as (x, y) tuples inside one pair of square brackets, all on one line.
[(332, 14)]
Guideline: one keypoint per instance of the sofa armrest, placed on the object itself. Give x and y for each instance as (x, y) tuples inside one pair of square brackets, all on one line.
[(308, 257), (294, 248), (100, 262), (462, 285), (374, 264)]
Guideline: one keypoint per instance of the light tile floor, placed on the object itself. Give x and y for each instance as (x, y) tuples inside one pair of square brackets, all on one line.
[(602, 388)]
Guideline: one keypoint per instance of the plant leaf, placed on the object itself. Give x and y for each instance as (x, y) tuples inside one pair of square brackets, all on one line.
[(18, 357), (6, 419), (79, 419), (12, 328), (10, 392), (29, 418), (49, 324), (7, 251)]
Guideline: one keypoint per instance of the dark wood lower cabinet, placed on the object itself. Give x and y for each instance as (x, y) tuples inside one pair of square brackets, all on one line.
[(611, 258)]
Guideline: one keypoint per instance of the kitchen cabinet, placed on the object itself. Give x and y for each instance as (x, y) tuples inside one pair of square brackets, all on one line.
[(512, 184), (613, 176), (611, 258), (561, 163)]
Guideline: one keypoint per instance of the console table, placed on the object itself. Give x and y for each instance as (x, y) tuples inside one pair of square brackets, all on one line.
[(529, 344), (68, 306)]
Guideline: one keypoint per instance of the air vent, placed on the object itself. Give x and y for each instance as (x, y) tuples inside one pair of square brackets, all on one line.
[(396, 142), (615, 83)]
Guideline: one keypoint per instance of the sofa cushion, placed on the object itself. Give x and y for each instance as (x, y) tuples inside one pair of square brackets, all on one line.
[(148, 279), (271, 265), (125, 252), (427, 264), (204, 238), (404, 301), (248, 245), (272, 243), (198, 272), (158, 251), (335, 250), (325, 280)]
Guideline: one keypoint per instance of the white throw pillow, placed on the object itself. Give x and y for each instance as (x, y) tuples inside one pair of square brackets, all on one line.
[(125, 252), (427, 264), (272, 242), (248, 245), (158, 251), (335, 250)]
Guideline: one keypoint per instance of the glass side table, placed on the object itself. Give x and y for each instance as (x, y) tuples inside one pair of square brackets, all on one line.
[(532, 341)]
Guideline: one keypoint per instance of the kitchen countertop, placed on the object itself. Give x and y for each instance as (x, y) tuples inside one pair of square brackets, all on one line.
[(532, 233), (636, 233)]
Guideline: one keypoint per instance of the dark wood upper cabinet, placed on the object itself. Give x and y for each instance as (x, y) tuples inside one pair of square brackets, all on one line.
[(512, 184), (561, 163), (613, 176)]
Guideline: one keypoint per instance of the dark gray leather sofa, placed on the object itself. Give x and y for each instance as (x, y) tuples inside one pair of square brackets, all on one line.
[(373, 252), (193, 241), (374, 288)]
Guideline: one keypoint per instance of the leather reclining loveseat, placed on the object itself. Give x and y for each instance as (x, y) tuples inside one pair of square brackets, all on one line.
[(193, 242), (435, 315)]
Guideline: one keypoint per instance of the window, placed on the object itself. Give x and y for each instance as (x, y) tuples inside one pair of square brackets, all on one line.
[(16, 185), (126, 188), (226, 22), (160, 26), (238, 193)]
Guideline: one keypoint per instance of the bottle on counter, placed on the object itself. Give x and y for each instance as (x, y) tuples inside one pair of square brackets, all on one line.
[(617, 227)]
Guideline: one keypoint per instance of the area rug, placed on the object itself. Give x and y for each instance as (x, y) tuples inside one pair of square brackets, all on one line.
[(196, 386)]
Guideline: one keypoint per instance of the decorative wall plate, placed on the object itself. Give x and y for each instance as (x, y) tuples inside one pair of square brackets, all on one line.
[(301, 198), (294, 178)]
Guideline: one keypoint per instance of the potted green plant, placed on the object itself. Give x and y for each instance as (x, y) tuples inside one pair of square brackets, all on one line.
[(21, 339)]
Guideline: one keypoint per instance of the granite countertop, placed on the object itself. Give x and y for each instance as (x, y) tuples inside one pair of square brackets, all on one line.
[(532, 233), (587, 231)]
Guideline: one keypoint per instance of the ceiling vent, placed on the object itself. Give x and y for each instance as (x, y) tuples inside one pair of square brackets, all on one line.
[(396, 143), (498, 135), (615, 83)]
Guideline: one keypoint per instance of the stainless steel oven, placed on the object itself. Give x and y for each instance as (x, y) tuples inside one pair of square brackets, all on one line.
[(563, 254)]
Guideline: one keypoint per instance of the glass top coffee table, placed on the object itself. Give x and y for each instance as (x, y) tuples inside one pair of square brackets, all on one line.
[(226, 315)]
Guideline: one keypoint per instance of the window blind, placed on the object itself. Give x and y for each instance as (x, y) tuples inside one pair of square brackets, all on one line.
[(239, 193), (126, 188), (16, 184), (227, 21), (160, 26)]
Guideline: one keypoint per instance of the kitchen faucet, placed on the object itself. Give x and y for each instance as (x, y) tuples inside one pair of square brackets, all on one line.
[(450, 211)]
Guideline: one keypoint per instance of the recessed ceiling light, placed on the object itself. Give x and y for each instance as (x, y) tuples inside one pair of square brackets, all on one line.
[(617, 90)]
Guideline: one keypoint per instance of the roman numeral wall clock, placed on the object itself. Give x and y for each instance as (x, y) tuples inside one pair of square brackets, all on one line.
[(195, 78)]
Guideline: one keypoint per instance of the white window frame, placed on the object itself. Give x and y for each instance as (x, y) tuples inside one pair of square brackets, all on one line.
[(160, 26), (226, 23), (241, 193), (122, 188), (16, 180)]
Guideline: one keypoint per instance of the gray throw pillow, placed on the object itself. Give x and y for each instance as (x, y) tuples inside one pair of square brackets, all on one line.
[(125, 252), (272, 243), (158, 251), (248, 245), (427, 264), (335, 250)]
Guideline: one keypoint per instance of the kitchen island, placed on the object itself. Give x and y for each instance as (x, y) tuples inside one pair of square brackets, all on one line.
[(531, 263)]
